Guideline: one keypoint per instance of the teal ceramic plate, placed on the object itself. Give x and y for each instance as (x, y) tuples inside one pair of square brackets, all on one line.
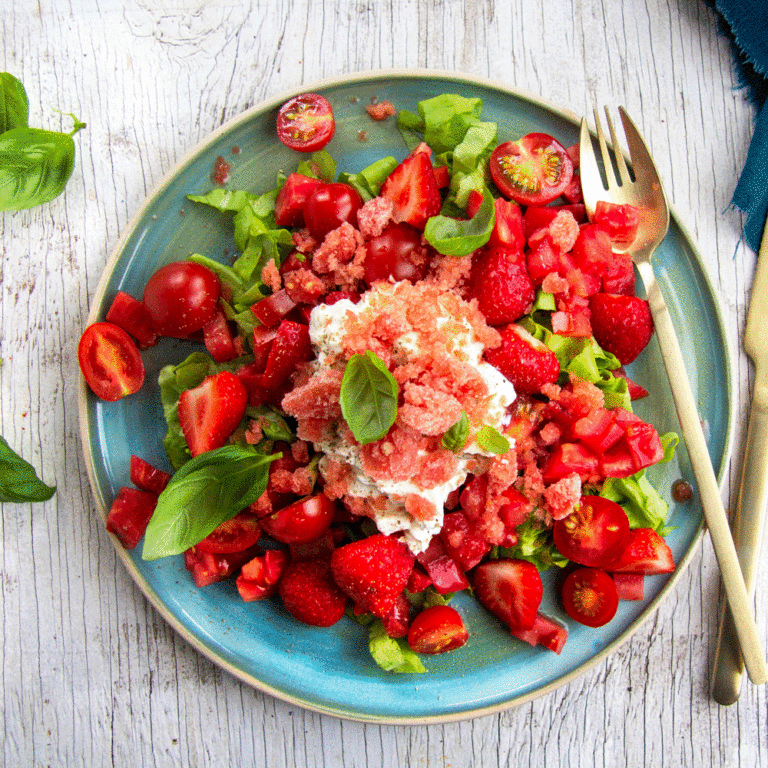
[(329, 670)]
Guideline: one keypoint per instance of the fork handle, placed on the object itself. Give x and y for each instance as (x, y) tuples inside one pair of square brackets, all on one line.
[(748, 525), (709, 490)]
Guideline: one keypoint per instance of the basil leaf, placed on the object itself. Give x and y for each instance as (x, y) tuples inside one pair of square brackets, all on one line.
[(368, 397), (453, 237), (456, 436), (491, 440), (18, 480), (208, 490), (14, 106), (35, 165)]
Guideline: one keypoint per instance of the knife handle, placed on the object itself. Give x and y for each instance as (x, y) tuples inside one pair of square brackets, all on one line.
[(748, 523)]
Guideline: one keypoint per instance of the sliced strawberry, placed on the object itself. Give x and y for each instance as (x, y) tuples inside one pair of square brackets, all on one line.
[(290, 347), (413, 191), (646, 552), (418, 581), (502, 286), (509, 589), (619, 221), (644, 445), (527, 362), (310, 594), (211, 412), (373, 571), (508, 225), (546, 632), (621, 325)]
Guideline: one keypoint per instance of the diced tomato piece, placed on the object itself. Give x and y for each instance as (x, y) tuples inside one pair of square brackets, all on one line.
[(443, 570), (129, 515), (262, 343), (541, 261), (630, 586), (209, 567), (617, 462), (302, 522), (598, 430), (570, 458), (290, 347), (398, 620), (234, 535), (619, 221), (259, 577), (321, 548), (289, 205), (646, 552), (462, 541), (546, 632), (513, 513), (218, 338), (418, 581), (132, 316), (572, 193), (273, 308), (592, 251), (474, 201), (537, 217), (644, 445), (508, 225), (636, 391), (572, 322), (619, 276), (147, 477)]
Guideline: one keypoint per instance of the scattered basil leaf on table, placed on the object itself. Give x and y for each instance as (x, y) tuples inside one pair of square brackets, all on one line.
[(208, 490), (14, 106), (368, 397), (18, 480)]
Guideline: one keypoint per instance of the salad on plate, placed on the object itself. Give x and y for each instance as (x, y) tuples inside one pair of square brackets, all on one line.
[(411, 382)]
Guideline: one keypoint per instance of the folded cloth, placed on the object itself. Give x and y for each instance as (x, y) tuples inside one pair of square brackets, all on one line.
[(745, 22)]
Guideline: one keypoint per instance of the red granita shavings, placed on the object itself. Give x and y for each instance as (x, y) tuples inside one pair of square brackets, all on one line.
[(318, 398), (336, 477), (254, 433), (304, 286), (561, 232), (550, 433), (419, 508), (450, 273), (395, 457), (553, 283), (341, 255), (427, 410), (374, 216), (303, 241), (380, 110), (299, 481), (436, 468), (300, 451), (562, 496), (270, 276)]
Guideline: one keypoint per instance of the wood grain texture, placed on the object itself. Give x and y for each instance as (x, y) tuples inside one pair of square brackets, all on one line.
[(90, 674)]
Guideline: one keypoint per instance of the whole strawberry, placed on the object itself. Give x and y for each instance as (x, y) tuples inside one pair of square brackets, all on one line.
[(310, 594), (373, 572), (502, 286), (527, 362), (621, 324)]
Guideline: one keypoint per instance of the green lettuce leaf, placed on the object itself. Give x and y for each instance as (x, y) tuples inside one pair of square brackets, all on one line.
[(392, 655), (534, 544)]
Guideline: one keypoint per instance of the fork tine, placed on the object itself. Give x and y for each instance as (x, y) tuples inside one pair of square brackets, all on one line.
[(610, 177), (621, 163)]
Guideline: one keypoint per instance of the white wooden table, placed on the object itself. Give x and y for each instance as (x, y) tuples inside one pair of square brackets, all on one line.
[(91, 675)]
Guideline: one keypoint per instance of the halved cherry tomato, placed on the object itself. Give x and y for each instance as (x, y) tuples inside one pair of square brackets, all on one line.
[(110, 361), (533, 170), (181, 298), (594, 534), (437, 629), (590, 596), (233, 535), (329, 206), (396, 253), (306, 123), (301, 522)]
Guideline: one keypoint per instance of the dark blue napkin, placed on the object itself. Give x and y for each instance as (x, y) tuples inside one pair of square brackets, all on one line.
[(745, 22)]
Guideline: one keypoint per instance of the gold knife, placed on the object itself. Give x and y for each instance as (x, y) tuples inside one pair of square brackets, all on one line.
[(749, 516)]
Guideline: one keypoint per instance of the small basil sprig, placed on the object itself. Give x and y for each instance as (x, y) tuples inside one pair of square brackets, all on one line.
[(456, 435), (208, 490), (14, 105), (368, 397), (490, 439), (18, 480)]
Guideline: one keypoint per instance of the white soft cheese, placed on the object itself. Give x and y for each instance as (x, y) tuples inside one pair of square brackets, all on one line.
[(326, 330)]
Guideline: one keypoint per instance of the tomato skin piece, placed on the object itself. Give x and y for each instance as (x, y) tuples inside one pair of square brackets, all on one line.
[(181, 298), (329, 206), (533, 170), (590, 597), (110, 361), (437, 629), (305, 123), (301, 522), (594, 534)]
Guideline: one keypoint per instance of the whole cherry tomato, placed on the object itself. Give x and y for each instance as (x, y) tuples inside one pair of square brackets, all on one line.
[(396, 253), (329, 206), (181, 298)]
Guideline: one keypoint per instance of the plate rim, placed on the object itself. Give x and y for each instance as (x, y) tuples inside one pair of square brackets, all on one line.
[(139, 580)]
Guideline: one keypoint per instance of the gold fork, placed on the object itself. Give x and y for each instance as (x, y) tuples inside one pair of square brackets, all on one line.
[(645, 192)]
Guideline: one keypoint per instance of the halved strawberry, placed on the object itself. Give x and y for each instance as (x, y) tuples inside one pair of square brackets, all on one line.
[(527, 362), (211, 412), (502, 286), (646, 552), (509, 589), (621, 325), (373, 571), (413, 191)]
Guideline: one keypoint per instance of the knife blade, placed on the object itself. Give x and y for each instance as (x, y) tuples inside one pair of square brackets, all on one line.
[(749, 515)]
